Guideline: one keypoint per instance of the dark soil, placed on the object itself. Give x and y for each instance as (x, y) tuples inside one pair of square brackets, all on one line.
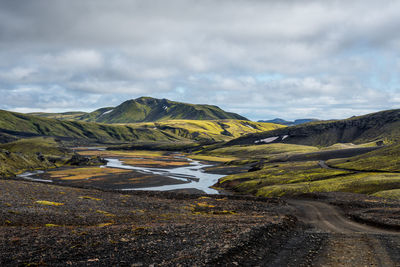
[(91, 227)]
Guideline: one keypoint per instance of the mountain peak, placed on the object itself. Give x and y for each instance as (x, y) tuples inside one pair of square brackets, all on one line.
[(149, 109)]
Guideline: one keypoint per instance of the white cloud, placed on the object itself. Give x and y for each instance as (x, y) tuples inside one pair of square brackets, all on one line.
[(265, 58)]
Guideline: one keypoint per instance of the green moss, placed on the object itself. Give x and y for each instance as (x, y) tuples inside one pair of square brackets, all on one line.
[(384, 159), (260, 151), (393, 194), (364, 183)]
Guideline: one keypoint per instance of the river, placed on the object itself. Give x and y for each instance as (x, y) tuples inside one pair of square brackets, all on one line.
[(192, 176)]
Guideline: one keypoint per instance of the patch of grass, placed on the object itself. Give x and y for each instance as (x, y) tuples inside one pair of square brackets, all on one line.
[(212, 158), (393, 194), (105, 213), (83, 173), (88, 197), (48, 203), (384, 159), (51, 225)]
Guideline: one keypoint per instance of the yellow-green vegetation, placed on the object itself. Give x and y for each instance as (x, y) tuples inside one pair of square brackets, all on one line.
[(47, 146), (122, 153), (348, 145), (364, 183), (202, 207), (278, 174), (83, 173), (145, 109), (51, 225), (393, 194), (292, 178), (382, 127), (105, 213), (89, 197), (167, 131), (212, 158), (49, 203), (260, 151), (30, 154), (384, 159), (211, 129)]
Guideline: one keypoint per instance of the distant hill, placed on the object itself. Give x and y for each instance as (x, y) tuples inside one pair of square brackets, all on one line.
[(15, 126), (289, 123), (381, 126), (147, 109)]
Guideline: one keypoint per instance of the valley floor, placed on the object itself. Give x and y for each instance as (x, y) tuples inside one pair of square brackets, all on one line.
[(44, 224)]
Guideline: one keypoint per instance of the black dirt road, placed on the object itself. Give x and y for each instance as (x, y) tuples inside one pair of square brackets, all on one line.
[(348, 243)]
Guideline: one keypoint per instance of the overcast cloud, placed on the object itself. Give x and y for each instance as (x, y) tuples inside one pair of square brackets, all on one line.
[(262, 59)]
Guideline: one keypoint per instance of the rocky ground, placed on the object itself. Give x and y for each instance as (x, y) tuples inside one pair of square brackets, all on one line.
[(54, 225)]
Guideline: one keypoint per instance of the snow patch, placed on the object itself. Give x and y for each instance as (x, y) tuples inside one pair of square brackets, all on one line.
[(108, 111), (267, 140), (284, 137), (104, 113), (165, 108), (249, 126)]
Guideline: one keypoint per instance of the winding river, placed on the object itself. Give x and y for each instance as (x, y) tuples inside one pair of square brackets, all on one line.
[(192, 176)]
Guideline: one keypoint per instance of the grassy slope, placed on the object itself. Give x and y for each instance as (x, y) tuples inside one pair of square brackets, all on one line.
[(260, 151), (212, 129), (160, 131), (44, 145), (286, 178), (380, 126), (99, 132), (22, 155), (384, 159), (59, 116), (303, 177)]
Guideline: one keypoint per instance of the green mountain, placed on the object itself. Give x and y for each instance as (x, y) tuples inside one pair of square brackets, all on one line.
[(382, 127), (147, 109)]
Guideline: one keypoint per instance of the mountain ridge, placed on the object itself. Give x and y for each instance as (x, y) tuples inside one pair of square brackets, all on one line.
[(289, 123), (383, 126), (147, 109)]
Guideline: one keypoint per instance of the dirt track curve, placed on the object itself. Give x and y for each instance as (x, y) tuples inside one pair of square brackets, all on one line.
[(348, 243)]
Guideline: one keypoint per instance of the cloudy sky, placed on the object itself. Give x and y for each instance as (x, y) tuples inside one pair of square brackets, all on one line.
[(262, 59)]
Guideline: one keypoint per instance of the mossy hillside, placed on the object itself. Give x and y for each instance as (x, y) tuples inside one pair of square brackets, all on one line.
[(30, 154), (167, 131), (47, 146), (14, 163), (393, 194), (72, 115), (278, 174), (218, 130), (383, 159), (23, 123), (381, 126), (260, 151), (147, 109), (363, 183), (294, 178)]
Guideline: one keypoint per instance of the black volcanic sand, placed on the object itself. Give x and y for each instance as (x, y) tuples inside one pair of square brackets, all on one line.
[(44, 224), (91, 227), (116, 181)]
